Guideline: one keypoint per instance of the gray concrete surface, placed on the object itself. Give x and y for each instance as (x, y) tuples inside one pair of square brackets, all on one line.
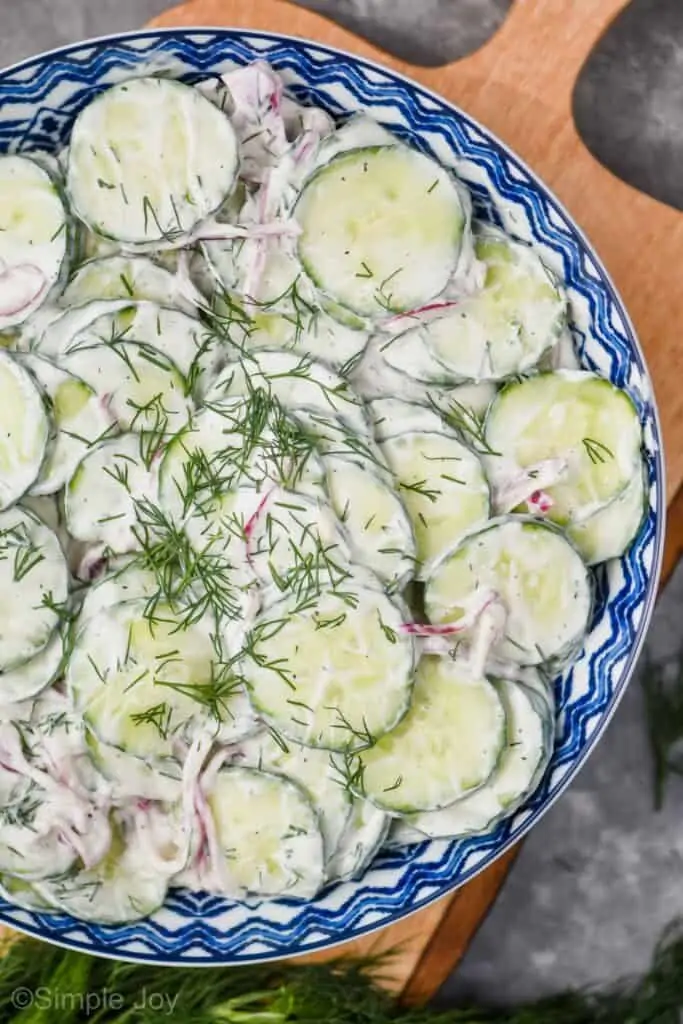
[(603, 873)]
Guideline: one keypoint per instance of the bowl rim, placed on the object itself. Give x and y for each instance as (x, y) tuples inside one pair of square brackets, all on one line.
[(492, 140)]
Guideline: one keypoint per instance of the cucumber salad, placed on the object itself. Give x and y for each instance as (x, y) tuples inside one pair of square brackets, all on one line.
[(300, 490)]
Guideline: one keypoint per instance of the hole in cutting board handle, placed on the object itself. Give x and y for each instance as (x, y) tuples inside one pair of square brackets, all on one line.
[(427, 33), (628, 100)]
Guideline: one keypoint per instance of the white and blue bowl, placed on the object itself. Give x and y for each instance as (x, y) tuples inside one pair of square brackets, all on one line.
[(39, 100)]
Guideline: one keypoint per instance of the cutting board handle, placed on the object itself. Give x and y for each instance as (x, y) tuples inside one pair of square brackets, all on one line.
[(520, 85)]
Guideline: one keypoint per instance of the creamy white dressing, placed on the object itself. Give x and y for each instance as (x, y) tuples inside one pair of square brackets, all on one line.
[(192, 315)]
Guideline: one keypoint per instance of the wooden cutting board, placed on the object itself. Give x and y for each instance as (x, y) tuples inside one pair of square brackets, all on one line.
[(520, 85)]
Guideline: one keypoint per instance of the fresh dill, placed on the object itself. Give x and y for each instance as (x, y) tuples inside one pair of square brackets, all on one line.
[(420, 487), (596, 451), (159, 717), (467, 423)]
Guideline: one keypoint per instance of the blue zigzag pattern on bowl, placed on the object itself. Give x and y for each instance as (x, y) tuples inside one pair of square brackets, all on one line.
[(40, 99)]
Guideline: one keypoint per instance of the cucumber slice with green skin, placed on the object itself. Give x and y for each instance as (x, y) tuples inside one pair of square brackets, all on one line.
[(130, 277), (444, 488), (126, 580), (334, 673), (53, 331), (148, 160), (314, 771), (24, 430), (573, 416), (297, 382), (365, 832), (33, 238), (125, 886), (348, 209), (142, 389), (447, 745), (143, 686), (394, 416), (25, 852), (538, 575), (34, 581), (503, 329), (609, 531), (527, 751), (268, 834), (314, 333), (32, 676), (79, 417), (102, 497), (22, 893), (296, 542), (375, 520)]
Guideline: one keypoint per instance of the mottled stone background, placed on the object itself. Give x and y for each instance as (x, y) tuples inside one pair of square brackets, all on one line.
[(602, 873)]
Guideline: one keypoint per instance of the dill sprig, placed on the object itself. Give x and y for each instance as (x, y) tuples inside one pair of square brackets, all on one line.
[(596, 451), (27, 554), (467, 423)]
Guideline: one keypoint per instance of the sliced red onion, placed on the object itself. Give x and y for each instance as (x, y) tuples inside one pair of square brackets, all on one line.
[(517, 487), (20, 287)]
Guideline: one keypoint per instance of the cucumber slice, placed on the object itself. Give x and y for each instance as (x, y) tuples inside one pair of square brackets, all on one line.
[(33, 238), (22, 894), (537, 574), (382, 229), (296, 542), (311, 769), (141, 388), (29, 678), (312, 332), (34, 584), (25, 851), (528, 747), (126, 885), (129, 277), (79, 417), (296, 382), (574, 416), (53, 331), (358, 132), (268, 834), (102, 497), (609, 531), (443, 486), (334, 673), (145, 684), (366, 830), (24, 430), (446, 746), (375, 520), (394, 416), (126, 580), (502, 330), (149, 159)]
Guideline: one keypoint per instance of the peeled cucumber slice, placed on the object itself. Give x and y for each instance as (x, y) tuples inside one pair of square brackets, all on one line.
[(334, 673), (268, 835), (33, 238), (24, 430), (313, 770), (381, 229), (573, 416), (447, 745), (80, 419), (609, 531), (443, 486), (125, 580), (525, 756), (25, 851), (534, 571), (34, 584), (503, 329), (149, 159)]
